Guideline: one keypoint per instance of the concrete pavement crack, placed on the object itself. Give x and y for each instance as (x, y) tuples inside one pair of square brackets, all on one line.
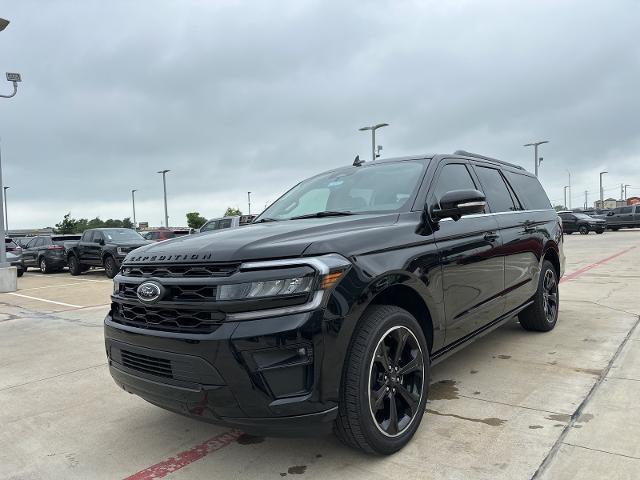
[(602, 451), (603, 306), (574, 417), (52, 376)]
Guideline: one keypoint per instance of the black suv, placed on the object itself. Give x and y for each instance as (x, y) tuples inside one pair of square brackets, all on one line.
[(330, 309), (47, 252), (623, 217), (579, 222)]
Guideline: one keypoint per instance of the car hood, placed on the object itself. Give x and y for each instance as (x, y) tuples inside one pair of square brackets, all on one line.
[(288, 238), (131, 244)]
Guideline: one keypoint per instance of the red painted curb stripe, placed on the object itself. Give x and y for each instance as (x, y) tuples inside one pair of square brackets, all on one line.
[(582, 270), (182, 459)]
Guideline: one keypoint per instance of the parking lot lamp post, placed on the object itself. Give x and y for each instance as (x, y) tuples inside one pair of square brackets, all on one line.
[(6, 216), (586, 199), (565, 195), (569, 173), (164, 184), (373, 129), (536, 160), (133, 201), (601, 190), (249, 200)]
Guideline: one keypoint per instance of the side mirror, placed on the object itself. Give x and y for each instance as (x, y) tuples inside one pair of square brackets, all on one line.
[(100, 241), (610, 214), (457, 203)]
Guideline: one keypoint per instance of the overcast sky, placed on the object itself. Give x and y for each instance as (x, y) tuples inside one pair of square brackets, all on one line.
[(254, 96)]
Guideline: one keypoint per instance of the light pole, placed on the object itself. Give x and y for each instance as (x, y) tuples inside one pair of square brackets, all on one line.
[(536, 160), (133, 200), (164, 184), (586, 199), (6, 216), (625, 191), (7, 277), (373, 129), (601, 190), (569, 173), (565, 195), (249, 200)]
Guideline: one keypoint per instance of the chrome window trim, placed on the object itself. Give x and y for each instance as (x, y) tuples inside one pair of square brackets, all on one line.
[(476, 215)]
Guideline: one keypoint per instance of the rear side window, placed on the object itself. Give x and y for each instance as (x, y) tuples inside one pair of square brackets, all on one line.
[(529, 191), (224, 223), (496, 191), (625, 210), (453, 176)]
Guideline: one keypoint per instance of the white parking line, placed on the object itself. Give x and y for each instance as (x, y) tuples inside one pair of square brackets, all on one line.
[(43, 300), (50, 286)]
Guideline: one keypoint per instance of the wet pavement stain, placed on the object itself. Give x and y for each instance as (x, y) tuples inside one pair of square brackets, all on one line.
[(246, 439), (577, 426), (443, 390), (503, 357), (535, 427), (552, 353), (590, 371), (491, 421), (477, 392), (297, 470), (318, 455), (473, 372), (585, 418), (555, 362), (559, 417)]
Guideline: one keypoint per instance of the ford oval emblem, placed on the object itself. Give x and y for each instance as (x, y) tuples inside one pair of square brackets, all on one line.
[(150, 292)]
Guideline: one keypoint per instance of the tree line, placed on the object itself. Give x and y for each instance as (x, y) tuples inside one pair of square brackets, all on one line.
[(73, 225)]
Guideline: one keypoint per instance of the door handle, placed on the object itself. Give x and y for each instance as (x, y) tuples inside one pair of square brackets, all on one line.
[(529, 227), (491, 236)]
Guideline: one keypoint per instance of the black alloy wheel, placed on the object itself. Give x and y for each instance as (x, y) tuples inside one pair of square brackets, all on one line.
[(584, 230), (44, 268), (550, 295), (396, 378), (110, 267)]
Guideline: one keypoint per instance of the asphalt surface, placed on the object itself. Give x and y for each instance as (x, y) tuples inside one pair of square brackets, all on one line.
[(514, 405)]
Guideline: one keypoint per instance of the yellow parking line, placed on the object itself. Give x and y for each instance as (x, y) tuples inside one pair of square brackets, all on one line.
[(43, 300)]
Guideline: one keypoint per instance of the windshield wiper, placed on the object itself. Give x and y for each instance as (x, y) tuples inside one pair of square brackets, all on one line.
[(325, 213), (267, 219)]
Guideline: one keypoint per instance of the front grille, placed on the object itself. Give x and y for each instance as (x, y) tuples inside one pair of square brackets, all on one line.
[(143, 363), (167, 319), (180, 271), (177, 293)]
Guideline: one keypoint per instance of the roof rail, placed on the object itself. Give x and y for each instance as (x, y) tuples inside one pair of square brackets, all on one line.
[(476, 155)]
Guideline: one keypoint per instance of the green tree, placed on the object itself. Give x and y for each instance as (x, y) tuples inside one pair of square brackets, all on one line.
[(232, 212), (95, 223), (559, 207), (67, 225), (81, 225), (113, 223), (195, 220), (127, 223)]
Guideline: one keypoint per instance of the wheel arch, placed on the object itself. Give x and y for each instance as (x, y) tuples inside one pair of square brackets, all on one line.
[(552, 255)]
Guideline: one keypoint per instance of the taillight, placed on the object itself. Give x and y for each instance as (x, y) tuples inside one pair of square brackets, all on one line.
[(55, 247)]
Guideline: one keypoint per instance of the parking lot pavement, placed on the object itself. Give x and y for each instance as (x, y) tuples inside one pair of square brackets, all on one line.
[(514, 405)]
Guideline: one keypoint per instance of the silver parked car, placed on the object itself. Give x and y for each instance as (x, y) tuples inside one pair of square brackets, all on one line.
[(14, 255)]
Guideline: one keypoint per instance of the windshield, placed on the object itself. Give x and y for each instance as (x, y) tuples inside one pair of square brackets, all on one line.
[(384, 187), (583, 216), (122, 235)]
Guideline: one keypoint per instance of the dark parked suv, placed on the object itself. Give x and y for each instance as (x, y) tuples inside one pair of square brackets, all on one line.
[(47, 252), (579, 222), (330, 309), (623, 217)]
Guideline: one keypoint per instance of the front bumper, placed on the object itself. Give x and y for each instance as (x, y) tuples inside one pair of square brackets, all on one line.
[(262, 376)]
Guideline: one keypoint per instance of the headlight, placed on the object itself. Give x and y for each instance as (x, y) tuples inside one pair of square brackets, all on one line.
[(269, 288), (122, 250)]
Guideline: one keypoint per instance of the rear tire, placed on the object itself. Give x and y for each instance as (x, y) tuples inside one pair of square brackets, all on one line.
[(20, 272), (110, 267), (386, 371), (542, 315), (600, 232), (584, 230), (75, 268), (44, 267)]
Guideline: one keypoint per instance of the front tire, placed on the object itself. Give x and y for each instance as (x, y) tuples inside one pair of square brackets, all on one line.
[(584, 230), (44, 267), (385, 382), (110, 267), (542, 315)]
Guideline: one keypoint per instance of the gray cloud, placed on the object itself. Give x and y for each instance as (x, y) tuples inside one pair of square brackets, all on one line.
[(238, 96)]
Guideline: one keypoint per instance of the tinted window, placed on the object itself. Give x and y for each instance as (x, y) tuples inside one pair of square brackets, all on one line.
[(453, 176), (529, 191), (374, 187), (210, 225), (224, 223), (496, 191), (120, 235), (625, 210)]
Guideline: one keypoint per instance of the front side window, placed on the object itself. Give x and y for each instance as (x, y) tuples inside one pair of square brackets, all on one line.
[(120, 235), (453, 176), (210, 225), (528, 190), (496, 191), (625, 210), (224, 223), (373, 188)]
